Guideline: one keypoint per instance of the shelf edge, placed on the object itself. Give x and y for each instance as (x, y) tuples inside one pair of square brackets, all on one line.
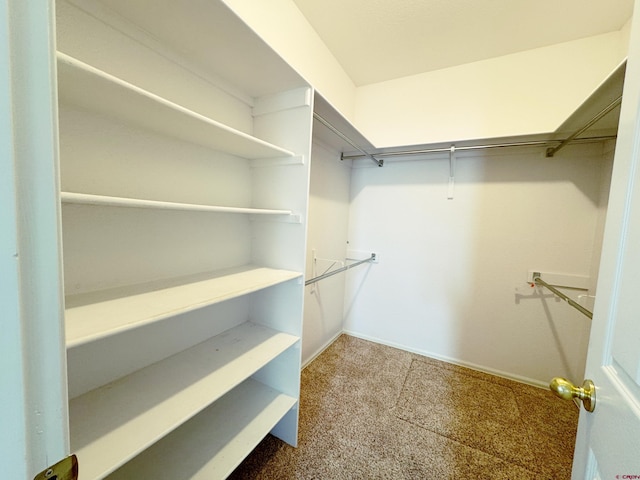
[(108, 201), (78, 66), (86, 338)]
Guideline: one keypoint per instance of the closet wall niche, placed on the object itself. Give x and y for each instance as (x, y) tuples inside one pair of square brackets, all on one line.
[(185, 146)]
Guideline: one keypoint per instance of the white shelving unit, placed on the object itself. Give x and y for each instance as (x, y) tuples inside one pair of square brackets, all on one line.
[(112, 424), (184, 195)]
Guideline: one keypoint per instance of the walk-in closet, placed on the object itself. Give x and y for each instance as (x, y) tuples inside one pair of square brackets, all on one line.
[(207, 202), (460, 230)]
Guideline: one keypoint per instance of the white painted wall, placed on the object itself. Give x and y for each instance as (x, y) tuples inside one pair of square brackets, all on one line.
[(326, 237), (525, 93), (451, 282), (603, 202), (281, 25), (478, 100), (625, 35)]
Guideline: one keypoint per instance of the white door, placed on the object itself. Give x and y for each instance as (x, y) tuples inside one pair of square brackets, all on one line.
[(33, 395), (608, 443)]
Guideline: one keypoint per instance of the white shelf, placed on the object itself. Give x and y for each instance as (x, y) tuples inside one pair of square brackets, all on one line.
[(211, 445), (107, 201), (112, 424), (96, 315), (609, 90), (89, 88)]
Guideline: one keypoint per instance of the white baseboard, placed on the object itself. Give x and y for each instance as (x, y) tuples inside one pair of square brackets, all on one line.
[(479, 368), (321, 349)]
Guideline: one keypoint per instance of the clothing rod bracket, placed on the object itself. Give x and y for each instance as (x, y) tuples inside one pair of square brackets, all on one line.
[(537, 279), (372, 258)]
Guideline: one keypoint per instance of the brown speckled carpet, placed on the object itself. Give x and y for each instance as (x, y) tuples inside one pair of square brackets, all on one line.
[(368, 411)]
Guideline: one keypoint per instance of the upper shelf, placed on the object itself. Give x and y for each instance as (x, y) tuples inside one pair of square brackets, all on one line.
[(89, 88), (596, 119), (323, 108), (603, 96), (210, 35)]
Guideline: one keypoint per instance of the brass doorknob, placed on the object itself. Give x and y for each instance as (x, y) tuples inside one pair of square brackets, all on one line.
[(565, 389)]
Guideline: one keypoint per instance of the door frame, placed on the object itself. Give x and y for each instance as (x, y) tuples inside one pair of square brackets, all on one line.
[(34, 413)]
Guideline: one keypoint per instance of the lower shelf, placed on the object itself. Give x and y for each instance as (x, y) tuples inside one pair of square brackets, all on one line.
[(114, 423), (211, 445)]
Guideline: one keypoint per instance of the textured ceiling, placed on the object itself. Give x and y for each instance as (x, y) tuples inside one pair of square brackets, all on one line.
[(377, 40)]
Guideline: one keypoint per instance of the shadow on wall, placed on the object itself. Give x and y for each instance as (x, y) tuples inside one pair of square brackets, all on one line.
[(568, 329), (504, 165)]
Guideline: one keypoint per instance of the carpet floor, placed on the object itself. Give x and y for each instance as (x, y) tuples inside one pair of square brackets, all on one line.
[(368, 411)]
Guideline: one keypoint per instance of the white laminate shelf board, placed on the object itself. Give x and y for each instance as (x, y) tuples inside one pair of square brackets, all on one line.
[(112, 424), (92, 89), (95, 315), (108, 201), (211, 445)]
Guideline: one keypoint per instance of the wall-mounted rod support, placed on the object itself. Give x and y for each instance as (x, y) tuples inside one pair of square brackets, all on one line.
[(318, 117), (452, 171), (346, 267), (577, 306), (551, 151)]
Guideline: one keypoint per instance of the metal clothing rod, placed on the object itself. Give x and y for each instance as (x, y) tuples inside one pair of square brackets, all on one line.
[(575, 305), (551, 151), (380, 163), (537, 143), (346, 267)]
